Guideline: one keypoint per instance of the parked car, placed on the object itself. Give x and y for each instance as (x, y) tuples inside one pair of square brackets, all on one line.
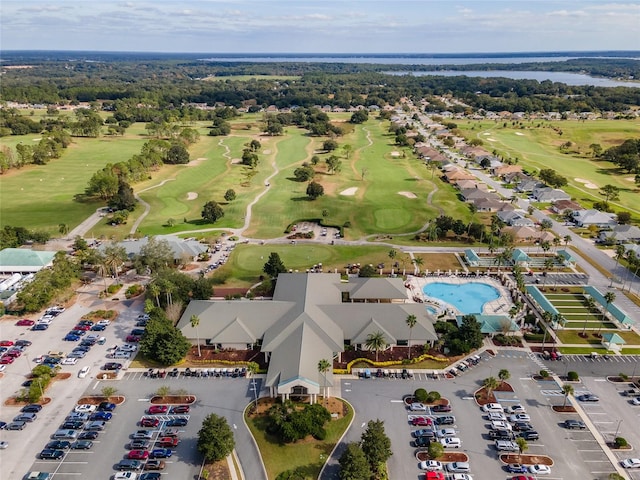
[(50, 454), (160, 453), (422, 441), (85, 408), (635, 401), (58, 445), (138, 454), (70, 360), (588, 397), (125, 476), (574, 424), (83, 417), (82, 445), (92, 435), (142, 435), (425, 432), (446, 432), (25, 322), (179, 409), (83, 371), (112, 366), (70, 337), (501, 435), (630, 463), (500, 425), (515, 409), (434, 476), (177, 422), (530, 435), (101, 416), (92, 426), (421, 421), (517, 468), (154, 465), (72, 425), (16, 426), (168, 442), (522, 426), (431, 465), (149, 422), (506, 446), (31, 408), (493, 407), (157, 409), (519, 417), (451, 442), (540, 470), (459, 467), (445, 420), (128, 464), (441, 408), (418, 407), (106, 407), (139, 445), (496, 416), (150, 476)]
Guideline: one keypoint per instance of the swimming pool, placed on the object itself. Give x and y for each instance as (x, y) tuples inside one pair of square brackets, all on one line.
[(466, 297)]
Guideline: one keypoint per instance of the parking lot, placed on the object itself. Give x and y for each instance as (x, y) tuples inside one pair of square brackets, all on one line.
[(576, 453)]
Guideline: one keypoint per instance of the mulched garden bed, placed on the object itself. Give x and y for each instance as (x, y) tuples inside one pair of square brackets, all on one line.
[(173, 399), (397, 355), (612, 446), (409, 399), (209, 355), (423, 455), (218, 470), (97, 400), (483, 397), (565, 409), (14, 402), (336, 407), (526, 459)]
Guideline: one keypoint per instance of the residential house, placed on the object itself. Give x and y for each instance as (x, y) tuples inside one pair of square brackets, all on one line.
[(466, 184), (548, 194), (586, 218), (457, 174), (620, 234), (505, 169), (471, 194), (182, 249), (528, 185), (312, 316), (529, 234), (560, 206), (515, 219), (515, 177), (489, 205)]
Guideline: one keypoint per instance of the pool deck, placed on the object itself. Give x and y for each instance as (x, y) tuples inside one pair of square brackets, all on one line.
[(501, 305)]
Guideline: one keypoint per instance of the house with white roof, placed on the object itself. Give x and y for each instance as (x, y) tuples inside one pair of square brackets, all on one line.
[(585, 218), (620, 234)]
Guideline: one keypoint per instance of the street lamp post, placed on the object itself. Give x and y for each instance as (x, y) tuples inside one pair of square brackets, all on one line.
[(617, 430)]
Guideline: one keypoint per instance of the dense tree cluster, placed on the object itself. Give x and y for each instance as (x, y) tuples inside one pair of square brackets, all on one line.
[(552, 178), (366, 459), (274, 265), (314, 190), (462, 339), (170, 286), (212, 212), (215, 438), (14, 237), (290, 423), (47, 283), (162, 342), (626, 155)]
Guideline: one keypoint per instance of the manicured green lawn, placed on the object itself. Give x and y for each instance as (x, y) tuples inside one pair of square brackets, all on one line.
[(41, 197), (309, 455), (572, 336), (537, 146)]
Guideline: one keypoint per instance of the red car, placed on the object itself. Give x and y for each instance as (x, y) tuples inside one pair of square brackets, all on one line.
[(180, 409), (168, 442), (149, 422), (421, 421), (522, 477), (133, 339), (6, 343), (84, 328), (156, 409), (5, 359), (25, 322), (434, 476), (138, 455)]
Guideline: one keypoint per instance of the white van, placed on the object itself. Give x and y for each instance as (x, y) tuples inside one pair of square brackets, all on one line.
[(120, 354), (65, 434)]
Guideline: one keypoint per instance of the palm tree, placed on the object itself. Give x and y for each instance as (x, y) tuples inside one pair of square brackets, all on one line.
[(376, 341), (63, 228), (417, 262), (323, 367), (556, 242), (620, 251), (411, 322), (590, 303), (545, 246), (548, 264), (567, 239), (566, 390), (154, 290), (609, 297), (632, 261), (114, 256), (523, 446), (392, 255), (473, 209), (195, 322), (504, 375), (169, 288), (490, 384)]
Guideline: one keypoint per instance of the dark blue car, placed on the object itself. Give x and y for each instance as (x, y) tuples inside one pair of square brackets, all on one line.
[(40, 326), (98, 328), (106, 407), (101, 416), (517, 468), (160, 453), (71, 337)]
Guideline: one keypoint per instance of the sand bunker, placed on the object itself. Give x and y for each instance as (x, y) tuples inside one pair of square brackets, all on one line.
[(587, 183), (520, 134), (192, 195), (349, 191), (408, 194), (196, 162), (395, 154), (235, 161), (489, 139), (267, 152), (486, 133)]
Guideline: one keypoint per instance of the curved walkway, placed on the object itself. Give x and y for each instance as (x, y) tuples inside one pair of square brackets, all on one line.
[(147, 207)]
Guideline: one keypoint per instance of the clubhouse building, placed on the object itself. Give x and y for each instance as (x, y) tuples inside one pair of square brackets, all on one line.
[(312, 316)]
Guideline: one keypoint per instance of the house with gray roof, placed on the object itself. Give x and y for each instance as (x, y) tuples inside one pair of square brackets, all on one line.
[(24, 260), (548, 194), (621, 234), (585, 218), (528, 185), (473, 194), (181, 248), (515, 219), (312, 316)]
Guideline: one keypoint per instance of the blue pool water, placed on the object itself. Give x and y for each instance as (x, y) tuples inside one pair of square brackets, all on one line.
[(466, 297)]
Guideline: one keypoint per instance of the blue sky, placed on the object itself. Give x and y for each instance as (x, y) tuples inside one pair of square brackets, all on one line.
[(297, 26)]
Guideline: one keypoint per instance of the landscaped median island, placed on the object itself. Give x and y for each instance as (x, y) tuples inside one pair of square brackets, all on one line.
[(282, 446)]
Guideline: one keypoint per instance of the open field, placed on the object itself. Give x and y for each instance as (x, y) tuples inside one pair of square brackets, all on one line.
[(537, 146), (246, 78), (41, 197)]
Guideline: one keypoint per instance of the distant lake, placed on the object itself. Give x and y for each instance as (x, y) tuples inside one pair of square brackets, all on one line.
[(561, 77)]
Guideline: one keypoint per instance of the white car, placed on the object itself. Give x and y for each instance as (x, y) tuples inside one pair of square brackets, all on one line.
[(2, 367), (45, 321), (515, 409), (493, 407), (451, 442), (85, 408), (519, 417), (125, 476), (431, 466), (418, 407), (461, 476), (635, 401), (630, 463), (83, 372), (458, 467), (500, 425), (446, 432), (106, 323), (3, 445), (496, 416), (539, 470), (70, 361), (127, 348)]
